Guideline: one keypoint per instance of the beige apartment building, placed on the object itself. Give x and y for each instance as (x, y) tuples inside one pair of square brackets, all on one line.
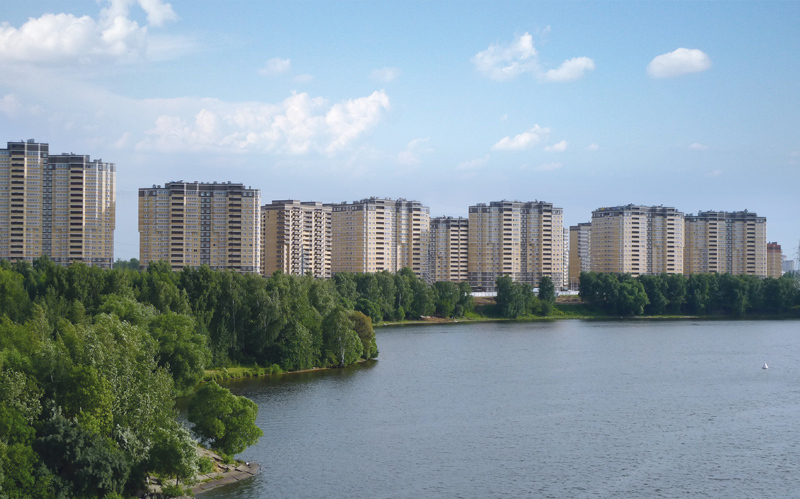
[(377, 234), (726, 242), (774, 260), (62, 206), (579, 252), (637, 240), (519, 239), (296, 238), (449, 249), (193, 224)]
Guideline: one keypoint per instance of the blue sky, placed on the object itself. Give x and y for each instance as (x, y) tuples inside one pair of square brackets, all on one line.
[(691, 105)]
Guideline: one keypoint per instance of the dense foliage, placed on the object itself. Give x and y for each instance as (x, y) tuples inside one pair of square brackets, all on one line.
[(697, 294)]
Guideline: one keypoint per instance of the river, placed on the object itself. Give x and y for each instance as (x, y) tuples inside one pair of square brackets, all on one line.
[(548, 409)]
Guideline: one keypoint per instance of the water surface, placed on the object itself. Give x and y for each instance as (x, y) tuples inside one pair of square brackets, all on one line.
[(554, 409)]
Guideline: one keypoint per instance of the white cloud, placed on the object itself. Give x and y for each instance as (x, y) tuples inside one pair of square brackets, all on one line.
[(64, 39), (715, 173), (275, 67), (298, 125), (571, 69), (547, 167), (523, 140), (10, 105), (384, 75), (698, 147), (592, 147), (560, 147), (679, 62), (503, 62), (411, 156), (473, 164)]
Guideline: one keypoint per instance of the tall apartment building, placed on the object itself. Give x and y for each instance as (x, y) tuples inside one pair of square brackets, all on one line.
[(194, 224), (62, 206), (579, 252), (774, 260), (519, 239), (449, 249), (565, 259), (637, 240), (732, 242), (296, 238), (376, 234)]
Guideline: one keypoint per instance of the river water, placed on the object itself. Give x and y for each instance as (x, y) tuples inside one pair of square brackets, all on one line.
[(551, 409)]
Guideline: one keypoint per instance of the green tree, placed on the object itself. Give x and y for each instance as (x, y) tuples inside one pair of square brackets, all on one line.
[(447, 296), (225, 420), (181, 349), (363, 328), (547, 294), (174, 453)]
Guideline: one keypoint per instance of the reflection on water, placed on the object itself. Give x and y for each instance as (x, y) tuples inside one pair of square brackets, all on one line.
[(556, 409)]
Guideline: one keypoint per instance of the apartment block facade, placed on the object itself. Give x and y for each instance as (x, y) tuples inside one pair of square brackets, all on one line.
[(519, 239), (580, 237), (296, 238), (774, 260), (637, 240), (193, 224), (726, 242), (449, 249), (62, 206), (377, 234)]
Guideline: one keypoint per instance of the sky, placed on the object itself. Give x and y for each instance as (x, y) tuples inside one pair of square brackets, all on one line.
[(694, 105)]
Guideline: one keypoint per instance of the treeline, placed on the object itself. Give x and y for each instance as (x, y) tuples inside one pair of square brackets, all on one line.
[(697, 294)]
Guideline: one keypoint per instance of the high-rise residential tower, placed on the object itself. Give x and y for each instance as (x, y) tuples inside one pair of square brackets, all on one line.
[(296, 238), (194, 224), (579, 252), (62, 206), (726, 242), (774, 260), (449, 249), (637, 240), (377, 234), (519, 239)]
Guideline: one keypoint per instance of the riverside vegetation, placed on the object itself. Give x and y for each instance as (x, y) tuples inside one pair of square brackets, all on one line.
[(91, 360)]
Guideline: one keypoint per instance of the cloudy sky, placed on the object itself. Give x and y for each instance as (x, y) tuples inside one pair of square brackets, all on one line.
[(691, 105)]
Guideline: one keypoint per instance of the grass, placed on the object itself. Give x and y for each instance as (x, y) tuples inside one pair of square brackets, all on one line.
[(236, 372)]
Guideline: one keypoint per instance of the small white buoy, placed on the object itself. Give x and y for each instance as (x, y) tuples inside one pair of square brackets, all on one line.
[(765, 366)]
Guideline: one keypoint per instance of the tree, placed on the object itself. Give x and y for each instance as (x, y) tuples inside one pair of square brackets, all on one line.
[(363, 327), (225, 420), (181, 349), (174, 453), (342, 344), (446, 298), (547, 294)]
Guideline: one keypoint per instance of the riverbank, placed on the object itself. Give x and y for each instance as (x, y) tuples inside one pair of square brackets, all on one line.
[(221, 474)]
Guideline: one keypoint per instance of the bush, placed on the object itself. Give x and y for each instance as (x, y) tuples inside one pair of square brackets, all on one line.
[(175, 491), (205, 465)]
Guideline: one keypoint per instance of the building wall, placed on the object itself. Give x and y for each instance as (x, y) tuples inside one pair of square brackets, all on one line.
[(522, 240), (62, 206), (449, 249), (376, 234), (194, 224), (296, 238), (732, 242), (774, 260), (579, 252), (637, 240)]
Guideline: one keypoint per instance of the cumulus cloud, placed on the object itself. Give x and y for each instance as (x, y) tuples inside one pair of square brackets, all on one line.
[(698, 147), (411, 156), (298, 125), (506, 61), (276, 66), (679, 62), (560, 147), (571, 69), (10, 105), (503, 62), (64, 39), (384, 75), (473, 164), (592, 147), (522, 141)]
